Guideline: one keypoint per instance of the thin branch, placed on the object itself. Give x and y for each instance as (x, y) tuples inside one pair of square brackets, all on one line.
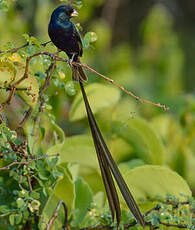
[(21, 47), (173, 225), (56, 58), (49, 73), (114, 83), (55, 215), (121, 87), (8, 101), (9, 88), (107, 227), (19, 163), (25, 118)]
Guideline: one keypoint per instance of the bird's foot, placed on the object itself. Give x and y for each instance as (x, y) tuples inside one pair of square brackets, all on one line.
[(70, 61)]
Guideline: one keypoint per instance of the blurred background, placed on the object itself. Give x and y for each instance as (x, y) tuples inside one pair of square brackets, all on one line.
[(146, 46)]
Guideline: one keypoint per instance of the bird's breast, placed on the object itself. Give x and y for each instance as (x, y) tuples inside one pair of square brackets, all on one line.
[(61, 35)]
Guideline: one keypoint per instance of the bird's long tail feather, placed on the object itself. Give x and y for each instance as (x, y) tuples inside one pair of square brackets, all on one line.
[(78, 73), (108, 168)]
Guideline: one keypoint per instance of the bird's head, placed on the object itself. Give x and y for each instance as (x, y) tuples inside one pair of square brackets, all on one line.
[(64, 12)]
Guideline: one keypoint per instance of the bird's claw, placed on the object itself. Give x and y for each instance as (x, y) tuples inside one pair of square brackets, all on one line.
[(70, 62)]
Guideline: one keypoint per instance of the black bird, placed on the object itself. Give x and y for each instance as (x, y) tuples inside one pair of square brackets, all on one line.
[(65, 36)]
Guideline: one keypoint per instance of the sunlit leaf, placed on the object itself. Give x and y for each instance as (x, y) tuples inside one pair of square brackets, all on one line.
[(84, 198), (147, 145), (147, 183), (28, 89), (77, 149), (100, 96)]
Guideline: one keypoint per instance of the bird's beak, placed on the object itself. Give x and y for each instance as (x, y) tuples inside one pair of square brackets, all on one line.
[(74, 14)]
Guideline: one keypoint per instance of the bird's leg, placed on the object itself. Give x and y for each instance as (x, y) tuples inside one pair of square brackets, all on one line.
[(72, 59)]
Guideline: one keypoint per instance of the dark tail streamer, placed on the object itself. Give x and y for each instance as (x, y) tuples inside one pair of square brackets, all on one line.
[(108, 168)]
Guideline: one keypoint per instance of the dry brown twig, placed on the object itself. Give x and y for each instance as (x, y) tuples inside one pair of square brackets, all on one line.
[(55, 215), (55, 57)]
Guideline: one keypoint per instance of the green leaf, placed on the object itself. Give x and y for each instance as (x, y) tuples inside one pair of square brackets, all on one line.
[(89, 37), (4, 209), (9, 74), (64, 190), (70, 89), (80, 149), (99, 96), (149, 182), (12, 219), (18, 218), (30, 96), (84, 198), (76, 149), (20, 202), (147, 145)]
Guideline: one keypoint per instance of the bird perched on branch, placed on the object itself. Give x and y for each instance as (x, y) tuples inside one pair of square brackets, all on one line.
[(65, 36)]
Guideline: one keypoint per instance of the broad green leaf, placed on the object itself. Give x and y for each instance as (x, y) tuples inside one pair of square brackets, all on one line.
[(77, 149), (30, 96), (64, 190), (84, 198), (89, 37), (80, 149), (119, 148), (147, 145), (100, 96), (9, 74), (149, 182), (12, 219)]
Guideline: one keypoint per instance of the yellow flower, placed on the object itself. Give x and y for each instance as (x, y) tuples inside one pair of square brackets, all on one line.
[(15, 57)]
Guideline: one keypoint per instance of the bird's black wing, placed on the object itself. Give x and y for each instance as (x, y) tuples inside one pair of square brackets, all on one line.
[(78, 40)]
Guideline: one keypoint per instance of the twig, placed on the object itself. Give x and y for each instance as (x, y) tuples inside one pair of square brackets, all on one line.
[(8, 101), (21, 47), (173, 225), (55, 215), (27, 115), (175, 203), (56, 58), (107, 227), (15, 85), (19, 163), (9, 88), (114, 83), (121, 87), (49, 73)]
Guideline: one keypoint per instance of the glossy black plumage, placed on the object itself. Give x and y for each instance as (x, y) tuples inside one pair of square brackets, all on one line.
[(65, 37)]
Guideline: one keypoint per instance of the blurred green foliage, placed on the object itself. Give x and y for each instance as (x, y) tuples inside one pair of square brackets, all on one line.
[(155, 150)]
